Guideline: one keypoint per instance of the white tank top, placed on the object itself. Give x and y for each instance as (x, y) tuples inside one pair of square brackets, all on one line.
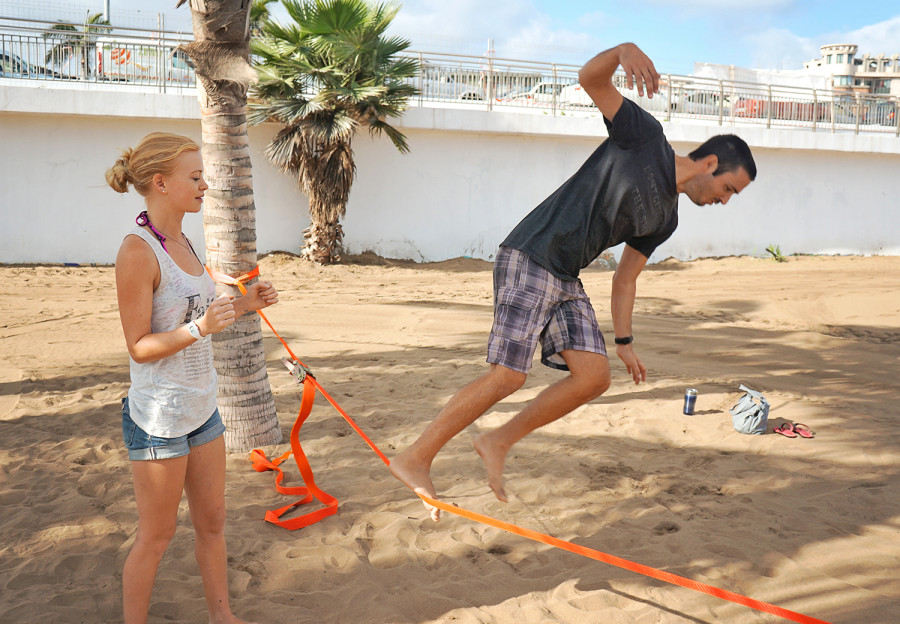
[(175, 395)]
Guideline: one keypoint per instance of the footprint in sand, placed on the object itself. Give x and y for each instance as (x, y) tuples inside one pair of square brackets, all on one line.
[(665, 528)]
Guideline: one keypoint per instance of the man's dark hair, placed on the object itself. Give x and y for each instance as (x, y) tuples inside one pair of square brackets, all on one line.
[(731, 150)]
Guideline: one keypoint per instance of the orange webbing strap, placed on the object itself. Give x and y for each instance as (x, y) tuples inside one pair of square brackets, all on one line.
[(624, 563), (260, 463), (258, 457)]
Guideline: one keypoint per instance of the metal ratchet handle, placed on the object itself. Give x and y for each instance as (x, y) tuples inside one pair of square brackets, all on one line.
[(297, 370)]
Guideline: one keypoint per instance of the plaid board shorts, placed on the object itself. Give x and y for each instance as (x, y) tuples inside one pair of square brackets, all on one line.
[(532, 304)]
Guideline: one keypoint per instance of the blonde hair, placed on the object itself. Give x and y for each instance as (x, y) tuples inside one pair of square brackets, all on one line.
[(156, 153)]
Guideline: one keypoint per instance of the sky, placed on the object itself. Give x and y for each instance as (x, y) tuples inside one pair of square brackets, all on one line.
[(757, 34)]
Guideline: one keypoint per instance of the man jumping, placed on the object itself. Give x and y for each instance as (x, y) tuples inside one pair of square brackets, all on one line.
[(626, 192)]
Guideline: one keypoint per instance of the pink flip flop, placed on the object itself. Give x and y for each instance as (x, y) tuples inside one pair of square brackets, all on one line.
[(787, 430), (803, 431)]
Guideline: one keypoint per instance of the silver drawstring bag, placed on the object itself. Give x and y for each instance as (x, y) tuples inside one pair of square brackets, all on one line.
[(751, 413)]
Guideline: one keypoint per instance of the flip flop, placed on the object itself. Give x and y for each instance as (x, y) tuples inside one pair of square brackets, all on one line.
[(803, 430), (787, 430)]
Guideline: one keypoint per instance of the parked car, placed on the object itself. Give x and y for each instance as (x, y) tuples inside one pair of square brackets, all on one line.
[(471, 96), (541, 94), (842, 112), (781, 109), (12, 66), (701, 103), (575, 96), (881, 113), (658, 104)]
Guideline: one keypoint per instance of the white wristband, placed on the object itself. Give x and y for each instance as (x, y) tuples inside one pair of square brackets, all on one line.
[(194, 330)]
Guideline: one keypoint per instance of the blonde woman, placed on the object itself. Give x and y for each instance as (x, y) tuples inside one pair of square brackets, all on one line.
[(170, 422)]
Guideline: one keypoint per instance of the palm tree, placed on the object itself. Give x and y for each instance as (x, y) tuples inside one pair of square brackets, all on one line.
[(220, 54), (73, 43), (259, 13), (322, 78)]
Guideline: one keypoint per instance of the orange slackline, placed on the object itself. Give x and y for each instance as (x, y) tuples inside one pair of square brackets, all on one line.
[(258, 457), (584, 551), (305, 377)]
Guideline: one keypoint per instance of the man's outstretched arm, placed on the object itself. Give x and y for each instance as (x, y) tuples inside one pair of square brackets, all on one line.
[(624, 288), (596, 76)]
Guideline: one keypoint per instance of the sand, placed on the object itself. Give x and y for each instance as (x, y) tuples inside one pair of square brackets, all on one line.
[(809, 525)]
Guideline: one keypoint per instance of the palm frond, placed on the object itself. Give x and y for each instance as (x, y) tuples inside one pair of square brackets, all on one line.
[(391, 46), (288, 112), (336, 16), (282, 149), (60, 31), (330, 125), (398, 69), (396, 137), (259, 14), (299, 10), (275, 31)]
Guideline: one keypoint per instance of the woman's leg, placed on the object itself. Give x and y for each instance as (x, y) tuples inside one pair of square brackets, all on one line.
[(158, 485), (205, 488)]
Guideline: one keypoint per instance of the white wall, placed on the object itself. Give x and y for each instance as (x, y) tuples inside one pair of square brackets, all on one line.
[(469, 178)]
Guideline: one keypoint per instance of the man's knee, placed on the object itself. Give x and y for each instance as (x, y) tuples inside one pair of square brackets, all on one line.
[(590, 371), (506, 380), (595, 384)]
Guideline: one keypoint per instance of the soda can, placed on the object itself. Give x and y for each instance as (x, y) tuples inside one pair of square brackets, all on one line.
[(690, 400)]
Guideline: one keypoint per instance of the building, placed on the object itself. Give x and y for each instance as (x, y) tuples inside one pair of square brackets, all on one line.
[(851, 72)]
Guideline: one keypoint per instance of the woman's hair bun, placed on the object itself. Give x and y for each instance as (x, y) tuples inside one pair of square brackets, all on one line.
[(117, 176)]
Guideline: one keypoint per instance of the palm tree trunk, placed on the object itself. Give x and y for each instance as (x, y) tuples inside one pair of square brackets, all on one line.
[(245, 397), (323, 242), (220, 54)]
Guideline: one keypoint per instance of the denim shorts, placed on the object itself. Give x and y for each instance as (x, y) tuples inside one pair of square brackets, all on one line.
[(143, 446), (531, 306)]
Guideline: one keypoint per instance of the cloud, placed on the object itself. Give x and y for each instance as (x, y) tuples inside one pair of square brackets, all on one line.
[(778, 48), (463, 18), (726, 7), (517, 28), (537, 41), (880, 38)]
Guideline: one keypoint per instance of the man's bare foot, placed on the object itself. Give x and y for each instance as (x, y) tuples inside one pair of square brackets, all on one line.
[(417, 478), (493, 458)]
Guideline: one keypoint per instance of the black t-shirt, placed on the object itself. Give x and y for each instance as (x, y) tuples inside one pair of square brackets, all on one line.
[(624, 193)]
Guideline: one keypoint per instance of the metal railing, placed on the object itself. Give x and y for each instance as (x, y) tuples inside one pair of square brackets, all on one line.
[(93, 54), (151, 60), (502, 84)]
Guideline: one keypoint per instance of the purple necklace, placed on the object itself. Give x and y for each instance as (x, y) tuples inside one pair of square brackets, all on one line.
[(144, 219)]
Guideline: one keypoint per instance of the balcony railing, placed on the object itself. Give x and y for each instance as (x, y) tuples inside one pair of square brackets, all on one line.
[(144, 59)]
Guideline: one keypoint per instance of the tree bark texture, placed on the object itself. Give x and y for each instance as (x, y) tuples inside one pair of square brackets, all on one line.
[(220, 54)]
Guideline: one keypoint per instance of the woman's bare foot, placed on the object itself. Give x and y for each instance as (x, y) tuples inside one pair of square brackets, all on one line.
[(417, 477), (493, 457)]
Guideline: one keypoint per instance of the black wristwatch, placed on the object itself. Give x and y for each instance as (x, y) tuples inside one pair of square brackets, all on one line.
[(625, 341)]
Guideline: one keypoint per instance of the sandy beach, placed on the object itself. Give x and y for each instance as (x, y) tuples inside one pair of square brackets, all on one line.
[(811, 525)]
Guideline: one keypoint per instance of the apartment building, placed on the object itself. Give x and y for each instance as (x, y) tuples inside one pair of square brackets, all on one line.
[(852, 72)]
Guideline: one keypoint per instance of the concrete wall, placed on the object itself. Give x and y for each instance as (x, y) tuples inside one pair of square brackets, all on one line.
[(470, 177)]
